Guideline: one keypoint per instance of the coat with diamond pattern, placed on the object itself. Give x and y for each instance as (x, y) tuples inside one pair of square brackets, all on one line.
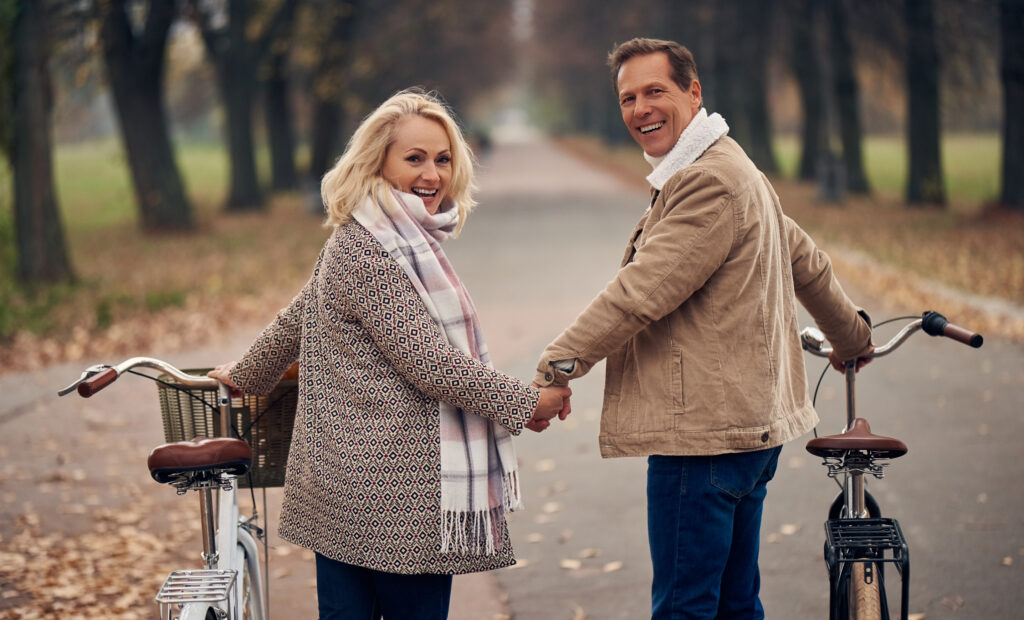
[(363, 477)]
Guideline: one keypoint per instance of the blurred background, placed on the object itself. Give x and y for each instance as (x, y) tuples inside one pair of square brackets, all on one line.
[(134, 128)]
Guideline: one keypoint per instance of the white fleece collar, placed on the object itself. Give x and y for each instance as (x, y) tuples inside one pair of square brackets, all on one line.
[(701, 133)]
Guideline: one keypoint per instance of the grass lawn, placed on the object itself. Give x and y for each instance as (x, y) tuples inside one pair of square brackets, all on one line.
[(970, 162), (132, 289)]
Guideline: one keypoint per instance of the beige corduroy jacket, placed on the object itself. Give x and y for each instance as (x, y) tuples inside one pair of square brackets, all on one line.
[(699, 326)]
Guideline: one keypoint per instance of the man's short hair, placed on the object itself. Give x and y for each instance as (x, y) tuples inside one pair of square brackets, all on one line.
[(684, 67)]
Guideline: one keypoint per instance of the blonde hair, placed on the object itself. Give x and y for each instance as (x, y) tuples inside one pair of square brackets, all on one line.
[(357, 174)]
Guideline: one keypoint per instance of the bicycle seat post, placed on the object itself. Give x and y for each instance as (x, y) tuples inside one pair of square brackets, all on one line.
[(855, 480), (210, 556)]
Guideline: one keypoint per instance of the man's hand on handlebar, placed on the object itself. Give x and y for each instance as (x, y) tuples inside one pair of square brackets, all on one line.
[(840, 364)]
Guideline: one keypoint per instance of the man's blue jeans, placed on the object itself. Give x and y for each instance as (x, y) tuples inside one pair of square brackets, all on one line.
[(347, 592), (704, 522)]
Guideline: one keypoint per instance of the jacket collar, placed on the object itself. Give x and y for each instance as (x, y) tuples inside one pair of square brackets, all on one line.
[(701, 133)]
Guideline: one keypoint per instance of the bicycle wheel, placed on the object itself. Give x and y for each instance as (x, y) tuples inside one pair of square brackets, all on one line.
[(250, 597), (866, 598)]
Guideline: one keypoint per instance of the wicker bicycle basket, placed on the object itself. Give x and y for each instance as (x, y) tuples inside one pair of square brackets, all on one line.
[(265, 422)]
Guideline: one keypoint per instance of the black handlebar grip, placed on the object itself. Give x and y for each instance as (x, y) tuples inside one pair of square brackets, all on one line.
[(96, 382), (934, 324)]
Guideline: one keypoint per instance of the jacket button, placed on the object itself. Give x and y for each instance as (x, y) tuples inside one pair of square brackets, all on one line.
[(764, 438), (548, 376)]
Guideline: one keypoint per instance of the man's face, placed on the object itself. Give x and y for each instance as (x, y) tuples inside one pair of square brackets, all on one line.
[(655, 109)]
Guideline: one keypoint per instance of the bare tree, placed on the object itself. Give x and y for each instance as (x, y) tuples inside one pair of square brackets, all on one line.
[(42, 253), (847, 97), (277, 110), (235, 42), (1012, 55), (807, 70), (925, 183), (752, 89), (135, 68), (338, 26)]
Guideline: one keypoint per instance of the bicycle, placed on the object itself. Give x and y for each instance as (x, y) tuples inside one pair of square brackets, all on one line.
[(858, 540), (213, 446)]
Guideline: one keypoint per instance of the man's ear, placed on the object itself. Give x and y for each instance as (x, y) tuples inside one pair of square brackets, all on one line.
[(695, 96)]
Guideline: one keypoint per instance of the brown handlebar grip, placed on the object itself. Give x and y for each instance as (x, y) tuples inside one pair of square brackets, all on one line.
[(962, 335), (96, 382)]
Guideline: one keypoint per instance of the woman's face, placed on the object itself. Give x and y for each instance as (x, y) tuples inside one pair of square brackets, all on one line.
[(419, 161)]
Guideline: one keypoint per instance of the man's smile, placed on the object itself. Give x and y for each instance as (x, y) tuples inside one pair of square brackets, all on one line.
[(646, 129)]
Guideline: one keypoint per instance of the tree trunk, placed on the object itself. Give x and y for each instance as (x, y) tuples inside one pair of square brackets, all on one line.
[(847, 95), (327, 90), (236, 69), (808, 78), (278, 116), (135, 66), (1012, 61), (726, 71), (756, 43), (42, 254), (925, 183)]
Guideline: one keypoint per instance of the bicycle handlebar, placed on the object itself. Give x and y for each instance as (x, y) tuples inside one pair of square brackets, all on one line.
[(95, 378), (933, 324)]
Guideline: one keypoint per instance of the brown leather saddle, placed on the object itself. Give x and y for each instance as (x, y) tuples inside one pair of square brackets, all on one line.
[(857, 438)]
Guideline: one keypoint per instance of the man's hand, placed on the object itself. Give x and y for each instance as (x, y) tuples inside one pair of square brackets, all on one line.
[(554, 401), (840, 365)]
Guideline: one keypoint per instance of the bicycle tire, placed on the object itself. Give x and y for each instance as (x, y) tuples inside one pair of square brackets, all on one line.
[(250, 600), (866, 597)]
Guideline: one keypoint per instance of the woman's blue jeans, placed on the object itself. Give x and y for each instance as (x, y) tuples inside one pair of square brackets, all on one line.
[(347, 592), (704, 523)]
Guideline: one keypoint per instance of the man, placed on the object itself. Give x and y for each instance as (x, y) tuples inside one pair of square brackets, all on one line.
[(704, 374)]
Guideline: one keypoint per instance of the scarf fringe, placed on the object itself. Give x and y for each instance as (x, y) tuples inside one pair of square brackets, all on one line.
[(479, 532)]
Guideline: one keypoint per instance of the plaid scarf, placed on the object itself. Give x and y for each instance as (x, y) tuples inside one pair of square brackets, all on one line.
[(479, 479)]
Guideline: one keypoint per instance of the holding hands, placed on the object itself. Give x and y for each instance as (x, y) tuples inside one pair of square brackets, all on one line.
[(554, 401)]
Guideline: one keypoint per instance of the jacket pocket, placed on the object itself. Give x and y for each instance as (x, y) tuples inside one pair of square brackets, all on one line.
[(675, 373)]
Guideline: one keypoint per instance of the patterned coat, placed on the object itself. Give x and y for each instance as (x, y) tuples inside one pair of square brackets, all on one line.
[(363, 478)]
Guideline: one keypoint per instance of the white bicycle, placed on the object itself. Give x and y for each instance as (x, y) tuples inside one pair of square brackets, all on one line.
[(216, 444)]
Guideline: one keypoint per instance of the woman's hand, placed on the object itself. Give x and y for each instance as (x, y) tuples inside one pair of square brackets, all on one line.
[(222, 373), (554, 401)]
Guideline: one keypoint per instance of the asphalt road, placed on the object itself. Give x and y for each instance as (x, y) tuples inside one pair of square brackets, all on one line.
[(547, 236)]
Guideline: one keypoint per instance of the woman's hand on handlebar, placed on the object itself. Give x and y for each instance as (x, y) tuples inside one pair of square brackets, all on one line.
[(222, 373), (840, 364)]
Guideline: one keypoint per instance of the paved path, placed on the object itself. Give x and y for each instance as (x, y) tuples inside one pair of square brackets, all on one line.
[(547, 236)]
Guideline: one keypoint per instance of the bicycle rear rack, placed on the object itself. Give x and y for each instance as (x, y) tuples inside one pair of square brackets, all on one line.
[(872, 542), (196, 586)]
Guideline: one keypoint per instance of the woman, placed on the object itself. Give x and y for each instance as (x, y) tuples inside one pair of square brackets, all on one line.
[(401, 465)]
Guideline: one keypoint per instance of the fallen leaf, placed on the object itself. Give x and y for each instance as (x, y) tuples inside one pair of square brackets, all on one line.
[(551, 507), (545, 465), (915, 617), (570, 564), (611, 567), (535, 537), (982, 498), (589, 553), (788, 529), (953, 602), (1007, 561), (578, 613)]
